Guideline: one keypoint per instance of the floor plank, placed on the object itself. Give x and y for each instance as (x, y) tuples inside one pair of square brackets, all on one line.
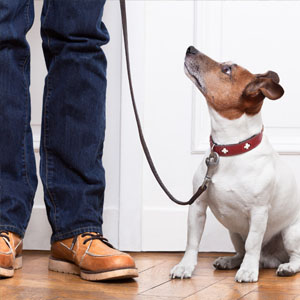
[(268, 296), (35, 282), (224, 289)]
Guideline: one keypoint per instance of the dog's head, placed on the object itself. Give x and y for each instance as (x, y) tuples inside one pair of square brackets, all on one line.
[(230, 89)]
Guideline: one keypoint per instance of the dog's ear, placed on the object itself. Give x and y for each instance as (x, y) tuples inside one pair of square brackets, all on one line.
[(266, 84), (270, 74)]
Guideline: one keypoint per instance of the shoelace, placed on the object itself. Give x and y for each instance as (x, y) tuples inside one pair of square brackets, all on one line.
[(4, 234), (96, 236)]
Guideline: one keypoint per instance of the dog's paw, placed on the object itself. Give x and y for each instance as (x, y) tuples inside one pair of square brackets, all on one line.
[(244, 275), (286, 270), (227, 263), (182, 271)]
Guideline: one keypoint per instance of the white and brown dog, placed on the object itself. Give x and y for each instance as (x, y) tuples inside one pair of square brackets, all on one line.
[(252, 193)]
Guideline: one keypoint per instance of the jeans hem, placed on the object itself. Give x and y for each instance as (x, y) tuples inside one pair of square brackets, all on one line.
[(65, 235), (13, 229)]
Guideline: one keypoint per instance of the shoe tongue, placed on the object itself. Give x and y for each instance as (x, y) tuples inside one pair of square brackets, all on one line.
[(99, 248)]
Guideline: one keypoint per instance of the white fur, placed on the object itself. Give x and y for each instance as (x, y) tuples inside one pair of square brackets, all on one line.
[(255, 196)]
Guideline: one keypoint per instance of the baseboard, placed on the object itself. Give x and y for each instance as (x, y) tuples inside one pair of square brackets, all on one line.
[(163, 230), (38, 233)]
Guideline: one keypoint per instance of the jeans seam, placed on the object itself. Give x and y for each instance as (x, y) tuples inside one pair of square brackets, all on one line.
[(26, 116), (51, 195), (47, 12), (45, 19), (47, 154), (26, 104), (27, 14)]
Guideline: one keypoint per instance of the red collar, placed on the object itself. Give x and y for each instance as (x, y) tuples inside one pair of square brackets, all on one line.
[(235, 149)]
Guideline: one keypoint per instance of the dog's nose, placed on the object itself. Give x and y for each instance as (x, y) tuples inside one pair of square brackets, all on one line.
[(191, 50)]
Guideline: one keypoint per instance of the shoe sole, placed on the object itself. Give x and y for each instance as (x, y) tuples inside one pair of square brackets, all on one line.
[(10, 272), (70, 268)]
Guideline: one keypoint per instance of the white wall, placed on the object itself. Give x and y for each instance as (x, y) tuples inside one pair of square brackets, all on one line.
[(259, 35)]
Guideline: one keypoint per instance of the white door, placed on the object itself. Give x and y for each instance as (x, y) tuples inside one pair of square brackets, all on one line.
[(171, 116)]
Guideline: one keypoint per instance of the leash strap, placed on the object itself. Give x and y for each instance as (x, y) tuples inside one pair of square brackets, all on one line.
[(211, 160)]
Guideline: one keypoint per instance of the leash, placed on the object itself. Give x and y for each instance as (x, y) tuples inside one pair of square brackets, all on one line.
[(211, 161)]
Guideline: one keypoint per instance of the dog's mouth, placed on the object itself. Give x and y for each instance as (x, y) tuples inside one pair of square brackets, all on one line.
[(193, 78)]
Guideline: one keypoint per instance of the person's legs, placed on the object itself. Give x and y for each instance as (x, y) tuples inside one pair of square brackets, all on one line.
[(73, 120), (18, 179)]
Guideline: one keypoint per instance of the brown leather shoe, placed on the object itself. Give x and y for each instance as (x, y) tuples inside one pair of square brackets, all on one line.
[(10, 253), (92, 257)]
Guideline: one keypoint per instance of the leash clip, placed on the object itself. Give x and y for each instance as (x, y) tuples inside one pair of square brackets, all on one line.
[(212, 159), (211, 162)]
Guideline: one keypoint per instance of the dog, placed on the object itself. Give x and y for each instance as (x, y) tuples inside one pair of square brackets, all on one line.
[(252, 192)]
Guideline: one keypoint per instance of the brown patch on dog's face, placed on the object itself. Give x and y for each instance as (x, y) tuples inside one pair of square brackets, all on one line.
[(230, 89)]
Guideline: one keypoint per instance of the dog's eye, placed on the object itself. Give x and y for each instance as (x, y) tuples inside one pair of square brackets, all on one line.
[(226, 69)]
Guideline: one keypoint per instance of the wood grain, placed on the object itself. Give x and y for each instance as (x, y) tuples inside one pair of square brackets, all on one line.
[(35, 282)]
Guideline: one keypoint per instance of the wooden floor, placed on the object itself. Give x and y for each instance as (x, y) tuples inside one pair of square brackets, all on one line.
[(35, 282)]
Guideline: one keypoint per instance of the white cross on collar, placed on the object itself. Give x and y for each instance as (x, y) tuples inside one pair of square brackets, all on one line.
[(247, 146), (225, 151)]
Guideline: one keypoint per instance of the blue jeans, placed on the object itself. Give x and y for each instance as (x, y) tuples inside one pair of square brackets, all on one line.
[(73, 117)]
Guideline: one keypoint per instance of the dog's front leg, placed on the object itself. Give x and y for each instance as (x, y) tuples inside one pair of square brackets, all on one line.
[(196, 222), (248, 271)]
